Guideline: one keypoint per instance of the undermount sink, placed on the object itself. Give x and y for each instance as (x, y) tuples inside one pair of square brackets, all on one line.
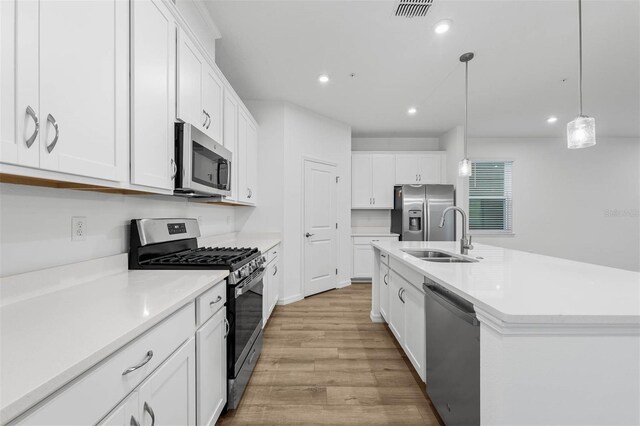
[(438, 256)]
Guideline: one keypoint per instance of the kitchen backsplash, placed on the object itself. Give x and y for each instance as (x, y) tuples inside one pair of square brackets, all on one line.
[(371, 219), (35, 224)]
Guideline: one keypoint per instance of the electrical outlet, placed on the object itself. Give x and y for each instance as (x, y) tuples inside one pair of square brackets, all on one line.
[(78, 228)]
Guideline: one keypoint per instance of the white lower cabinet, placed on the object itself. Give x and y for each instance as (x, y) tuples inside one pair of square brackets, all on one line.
[(406, 319), (211, 344), (125, 414), (384, 288), (167, 397), (271, 291), (362, 259)]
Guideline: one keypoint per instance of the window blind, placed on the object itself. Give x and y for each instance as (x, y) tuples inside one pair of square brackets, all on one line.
[(491, 197)]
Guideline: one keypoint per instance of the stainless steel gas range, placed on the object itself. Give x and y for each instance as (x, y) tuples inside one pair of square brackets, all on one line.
[(173, 244)]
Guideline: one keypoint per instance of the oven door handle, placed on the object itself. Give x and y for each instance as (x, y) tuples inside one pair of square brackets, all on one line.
[(248, 286)]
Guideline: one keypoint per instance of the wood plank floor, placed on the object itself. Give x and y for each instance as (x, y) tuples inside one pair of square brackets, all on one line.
[(325, 362)]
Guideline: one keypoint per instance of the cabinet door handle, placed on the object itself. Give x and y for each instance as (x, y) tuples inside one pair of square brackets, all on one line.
[(54, 123), (174, 169), (385, 279), (420, 176), (249, 192), (149, 410), (275, 270), (146, 359), (219, 298), (206, 117), (374, 201), (33, 115), (226, 328), (402, 290), (134, 422)]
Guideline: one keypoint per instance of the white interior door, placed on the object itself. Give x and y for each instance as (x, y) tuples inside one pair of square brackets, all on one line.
[(320, 259)]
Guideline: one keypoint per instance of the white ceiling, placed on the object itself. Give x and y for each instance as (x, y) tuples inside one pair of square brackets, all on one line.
[(275, 50)]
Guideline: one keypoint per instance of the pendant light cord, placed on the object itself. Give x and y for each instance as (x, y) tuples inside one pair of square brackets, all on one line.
[(466, 102), (580, 48)]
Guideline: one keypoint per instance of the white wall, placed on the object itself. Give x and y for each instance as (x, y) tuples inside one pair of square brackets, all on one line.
[(576, 204), (201, 23), (371, 219), (395, 144), (452, 143), (288, 134), (35, 224)]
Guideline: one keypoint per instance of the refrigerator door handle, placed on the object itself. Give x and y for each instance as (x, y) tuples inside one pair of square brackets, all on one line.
[(426, 220)]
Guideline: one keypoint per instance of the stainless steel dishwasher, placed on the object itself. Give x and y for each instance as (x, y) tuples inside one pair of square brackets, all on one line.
[(453, 355)]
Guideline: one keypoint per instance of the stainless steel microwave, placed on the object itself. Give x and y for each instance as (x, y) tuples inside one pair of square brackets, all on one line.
[(203, 165)]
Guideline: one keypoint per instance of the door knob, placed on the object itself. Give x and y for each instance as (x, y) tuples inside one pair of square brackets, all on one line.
[(309, 235)]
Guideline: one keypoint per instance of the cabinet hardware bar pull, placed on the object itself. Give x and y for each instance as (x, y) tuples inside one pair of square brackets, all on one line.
[(219, 298), (385, 279), (54, 123), (149, 410), (33, 137), (275, 270), (134, 422), (226, 328), (147, 358), (174, 169)]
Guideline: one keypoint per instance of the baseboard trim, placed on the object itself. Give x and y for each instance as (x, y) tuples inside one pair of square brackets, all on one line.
[(344, 283), (290, 299), (376, 317)]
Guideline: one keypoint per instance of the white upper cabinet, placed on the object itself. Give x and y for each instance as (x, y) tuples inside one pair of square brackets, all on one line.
[(72, 78), (247, 163), (189, 90), (230, 138), (421, 168), (212, 104), (372, 181), (153, 48), (200, 90)]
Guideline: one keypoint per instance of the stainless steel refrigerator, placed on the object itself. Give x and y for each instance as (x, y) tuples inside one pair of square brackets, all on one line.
[(417, 210)]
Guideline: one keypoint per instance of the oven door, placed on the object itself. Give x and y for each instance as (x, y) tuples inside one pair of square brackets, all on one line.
[(204, 166), (247, 316)]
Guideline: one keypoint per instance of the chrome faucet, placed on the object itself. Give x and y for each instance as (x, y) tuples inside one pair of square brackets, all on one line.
[(465, 241)]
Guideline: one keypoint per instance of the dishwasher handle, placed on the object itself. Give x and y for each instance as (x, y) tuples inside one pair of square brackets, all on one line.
[(439, 295)]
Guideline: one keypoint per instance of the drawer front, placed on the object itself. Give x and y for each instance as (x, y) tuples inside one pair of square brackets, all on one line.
[(272, 254), (384, 258), (211, 301), (412, 276), (91, 396), (368, 240)]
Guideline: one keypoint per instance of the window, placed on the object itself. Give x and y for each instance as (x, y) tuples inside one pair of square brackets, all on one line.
[(491, 197)]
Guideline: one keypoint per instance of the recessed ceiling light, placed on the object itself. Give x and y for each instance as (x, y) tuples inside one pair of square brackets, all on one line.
[(552, 119), (412, 111), (323, 78), (442, 26)]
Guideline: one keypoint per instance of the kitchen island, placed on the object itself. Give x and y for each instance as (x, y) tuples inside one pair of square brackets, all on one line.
[(559, 339)]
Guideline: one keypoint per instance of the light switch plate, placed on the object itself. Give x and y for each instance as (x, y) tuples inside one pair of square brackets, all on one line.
[(78, 228)]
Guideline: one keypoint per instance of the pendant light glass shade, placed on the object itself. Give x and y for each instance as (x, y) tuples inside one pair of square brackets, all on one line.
[(581, 132), (464, 168)]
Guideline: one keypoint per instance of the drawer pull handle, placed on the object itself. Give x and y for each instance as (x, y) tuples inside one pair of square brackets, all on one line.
[(275, 270), (149, 410), (134, 422), (147, 358), (219, 298), (385, 279)]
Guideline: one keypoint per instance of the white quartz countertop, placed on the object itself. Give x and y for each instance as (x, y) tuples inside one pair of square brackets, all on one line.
[(49, 339), (520, 287), (372, 232)]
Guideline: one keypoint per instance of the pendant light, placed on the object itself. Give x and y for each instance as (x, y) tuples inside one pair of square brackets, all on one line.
[(464, 166), (581, 132)]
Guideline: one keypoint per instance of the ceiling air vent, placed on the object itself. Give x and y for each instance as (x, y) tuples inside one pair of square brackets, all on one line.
[(412, 8)]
